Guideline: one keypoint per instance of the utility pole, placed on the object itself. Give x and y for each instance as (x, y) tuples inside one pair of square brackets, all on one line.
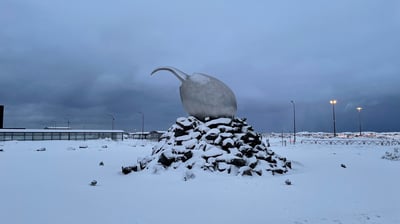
[(112, 121), (359, 117), (142, 134), (333, 102), (294, 122)]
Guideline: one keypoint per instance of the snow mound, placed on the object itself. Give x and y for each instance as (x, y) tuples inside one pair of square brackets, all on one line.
[(217, 145), (395, 155)]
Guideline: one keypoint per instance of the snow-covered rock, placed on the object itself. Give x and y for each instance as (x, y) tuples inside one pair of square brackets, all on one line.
[(395, 155), (225, 145)]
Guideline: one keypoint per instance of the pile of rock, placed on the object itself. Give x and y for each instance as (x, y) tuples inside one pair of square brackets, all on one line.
[(395, 155), (223, 144)]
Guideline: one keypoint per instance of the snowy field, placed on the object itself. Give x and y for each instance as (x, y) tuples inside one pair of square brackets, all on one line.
[(53, 186)]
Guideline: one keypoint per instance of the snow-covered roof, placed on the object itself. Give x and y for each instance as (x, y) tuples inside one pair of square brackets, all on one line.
[(61, 130)]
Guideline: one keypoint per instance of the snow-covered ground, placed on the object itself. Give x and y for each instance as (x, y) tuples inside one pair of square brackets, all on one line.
[(53, 186)]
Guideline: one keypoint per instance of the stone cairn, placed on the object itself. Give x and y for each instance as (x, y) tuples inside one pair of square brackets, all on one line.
[(225, 145), (395, 155)]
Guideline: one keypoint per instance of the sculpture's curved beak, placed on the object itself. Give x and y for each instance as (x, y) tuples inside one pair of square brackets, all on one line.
[(178, 73)]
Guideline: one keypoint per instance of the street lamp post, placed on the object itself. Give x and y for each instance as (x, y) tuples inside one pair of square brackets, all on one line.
[(294, 122), (68, 121), (142, 134), (359, 118), (112, 121), (333, 102)]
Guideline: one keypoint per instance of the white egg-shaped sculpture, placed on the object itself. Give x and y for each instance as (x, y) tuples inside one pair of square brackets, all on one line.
[(203, 95)]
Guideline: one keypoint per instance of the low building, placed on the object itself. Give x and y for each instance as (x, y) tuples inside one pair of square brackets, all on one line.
[(57, 134), (155, 135), (152, 135)]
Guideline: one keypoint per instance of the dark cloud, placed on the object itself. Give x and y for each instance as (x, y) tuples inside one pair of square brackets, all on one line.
[(82, 61)]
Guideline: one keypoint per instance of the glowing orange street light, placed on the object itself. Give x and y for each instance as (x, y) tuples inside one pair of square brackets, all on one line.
[(359, 117), (333, 102)]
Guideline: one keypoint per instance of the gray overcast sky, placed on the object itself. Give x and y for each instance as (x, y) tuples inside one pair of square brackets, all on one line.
[(81, 61)]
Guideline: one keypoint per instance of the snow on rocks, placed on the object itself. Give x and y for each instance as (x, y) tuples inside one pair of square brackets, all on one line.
[(93, 183), (225, 145), (395, 155), (41, 149), (288, 182)]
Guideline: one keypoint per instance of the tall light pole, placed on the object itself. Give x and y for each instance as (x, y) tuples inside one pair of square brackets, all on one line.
[(359, 117), (112, 121), (142, 134), (68, 121), (294, 121), (333, 102)]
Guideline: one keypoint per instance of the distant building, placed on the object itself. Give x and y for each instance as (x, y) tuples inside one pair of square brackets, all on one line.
[(155, 135), (152, 135), (1, 116), (57, 134), (58, 128)]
